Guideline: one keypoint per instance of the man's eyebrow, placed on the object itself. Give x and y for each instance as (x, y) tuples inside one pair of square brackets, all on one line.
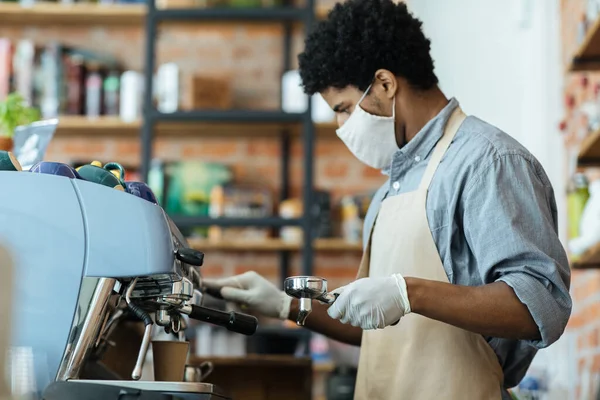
[(337, 107)]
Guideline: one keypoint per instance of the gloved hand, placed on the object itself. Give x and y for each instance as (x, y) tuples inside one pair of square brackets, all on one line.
[(371, 303), (255, 292)]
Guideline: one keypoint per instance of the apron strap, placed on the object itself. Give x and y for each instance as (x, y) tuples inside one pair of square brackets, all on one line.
[(455, 121)]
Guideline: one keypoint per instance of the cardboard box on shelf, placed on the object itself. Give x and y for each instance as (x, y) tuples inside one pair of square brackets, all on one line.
[(208, 92)]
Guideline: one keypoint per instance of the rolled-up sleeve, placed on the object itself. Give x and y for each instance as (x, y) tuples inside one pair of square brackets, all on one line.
[(510, 224)]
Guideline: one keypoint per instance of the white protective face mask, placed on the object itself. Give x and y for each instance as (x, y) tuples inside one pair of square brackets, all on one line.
[(371, 138)]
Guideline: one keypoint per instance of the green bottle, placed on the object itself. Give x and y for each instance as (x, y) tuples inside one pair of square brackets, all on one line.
[(577, 197)]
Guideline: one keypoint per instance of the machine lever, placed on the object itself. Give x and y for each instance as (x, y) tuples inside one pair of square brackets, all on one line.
[(233, 321), (190, 256)]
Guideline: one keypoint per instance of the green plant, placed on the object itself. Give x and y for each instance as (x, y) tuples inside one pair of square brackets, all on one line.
[(15, 112)]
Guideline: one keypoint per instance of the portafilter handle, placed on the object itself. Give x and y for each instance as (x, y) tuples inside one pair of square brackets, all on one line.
[(328, 298), (306, 289), (232, 321)]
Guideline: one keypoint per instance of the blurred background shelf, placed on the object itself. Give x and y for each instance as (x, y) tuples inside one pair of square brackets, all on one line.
[(184, 221), (132, 14), (81, 125), (589, 151), (274, 244), (69, 14), (244, 116), (266, 14), (590, 259), (258, 360), (587, 57), (264, 360)]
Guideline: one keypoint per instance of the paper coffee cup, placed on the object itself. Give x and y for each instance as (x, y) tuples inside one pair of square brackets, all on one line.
[(170, 358)]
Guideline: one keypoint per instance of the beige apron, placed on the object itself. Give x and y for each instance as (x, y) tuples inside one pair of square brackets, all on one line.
[(419, 358)]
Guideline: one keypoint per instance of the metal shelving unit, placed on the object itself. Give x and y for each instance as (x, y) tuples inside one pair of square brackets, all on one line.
[(241, 116), (271, 14), (287, 15)]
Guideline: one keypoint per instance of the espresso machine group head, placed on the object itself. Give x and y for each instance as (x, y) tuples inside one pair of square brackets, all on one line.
[(86, 257)]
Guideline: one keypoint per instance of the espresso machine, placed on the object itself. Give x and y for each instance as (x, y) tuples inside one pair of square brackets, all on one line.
[(86, 257)]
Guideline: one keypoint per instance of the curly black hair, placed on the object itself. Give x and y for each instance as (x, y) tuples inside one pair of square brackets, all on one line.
[(358, 38)]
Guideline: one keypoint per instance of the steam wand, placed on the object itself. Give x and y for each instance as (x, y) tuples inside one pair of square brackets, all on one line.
[(144, 316)]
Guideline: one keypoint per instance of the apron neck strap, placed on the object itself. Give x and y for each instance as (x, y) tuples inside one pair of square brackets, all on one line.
[(455, 121)]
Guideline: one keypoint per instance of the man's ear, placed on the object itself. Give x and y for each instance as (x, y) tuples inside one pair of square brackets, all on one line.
[(388, 82)]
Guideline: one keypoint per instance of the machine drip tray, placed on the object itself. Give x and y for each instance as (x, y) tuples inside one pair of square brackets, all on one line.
[(179, 390)]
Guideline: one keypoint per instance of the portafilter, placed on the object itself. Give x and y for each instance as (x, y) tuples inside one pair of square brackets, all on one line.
[(307, 289)]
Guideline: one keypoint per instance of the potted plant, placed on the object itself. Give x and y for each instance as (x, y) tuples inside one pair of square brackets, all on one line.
[(14, 112)]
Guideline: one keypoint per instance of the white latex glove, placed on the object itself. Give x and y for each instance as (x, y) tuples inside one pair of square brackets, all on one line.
[(255, 292), (371, 303)]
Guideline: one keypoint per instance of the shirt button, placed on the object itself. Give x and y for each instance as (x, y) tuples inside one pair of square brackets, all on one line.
[(396, 185), (417, 159)]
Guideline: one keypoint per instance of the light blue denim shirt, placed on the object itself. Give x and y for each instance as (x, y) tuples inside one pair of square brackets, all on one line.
[(492, 212)]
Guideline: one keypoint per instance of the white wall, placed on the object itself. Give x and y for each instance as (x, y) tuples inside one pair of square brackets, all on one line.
[(501, 60)]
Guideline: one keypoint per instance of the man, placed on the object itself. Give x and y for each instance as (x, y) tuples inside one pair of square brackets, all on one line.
[(463, 276)]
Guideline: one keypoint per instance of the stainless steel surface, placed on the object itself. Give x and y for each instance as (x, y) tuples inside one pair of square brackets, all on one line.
[(176, 325), (192, 374), (183, 290), (304, 310), (173, 387), (112, 322), (197, 298), (185, 309), (307, 288), (163, 318), (89, 317), (139, 364), (198, 373), (196, 278), (154, 286)]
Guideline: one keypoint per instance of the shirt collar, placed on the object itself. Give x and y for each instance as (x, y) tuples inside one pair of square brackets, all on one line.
[(426, 139)]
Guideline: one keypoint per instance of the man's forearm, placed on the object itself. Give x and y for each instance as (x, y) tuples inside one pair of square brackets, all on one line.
[(490, 310), (318, 321)]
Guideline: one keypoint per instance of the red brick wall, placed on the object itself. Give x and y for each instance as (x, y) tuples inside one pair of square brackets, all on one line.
[(585, 287), (251, 56)]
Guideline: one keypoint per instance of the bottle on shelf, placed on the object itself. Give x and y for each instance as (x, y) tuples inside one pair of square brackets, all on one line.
[(168, 88), (582, 28), (588, 233), (597, 104), (75, 88), (132, 89), (93, 87), (577, 197), (351, 222), (23, 69), (111, 93)]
